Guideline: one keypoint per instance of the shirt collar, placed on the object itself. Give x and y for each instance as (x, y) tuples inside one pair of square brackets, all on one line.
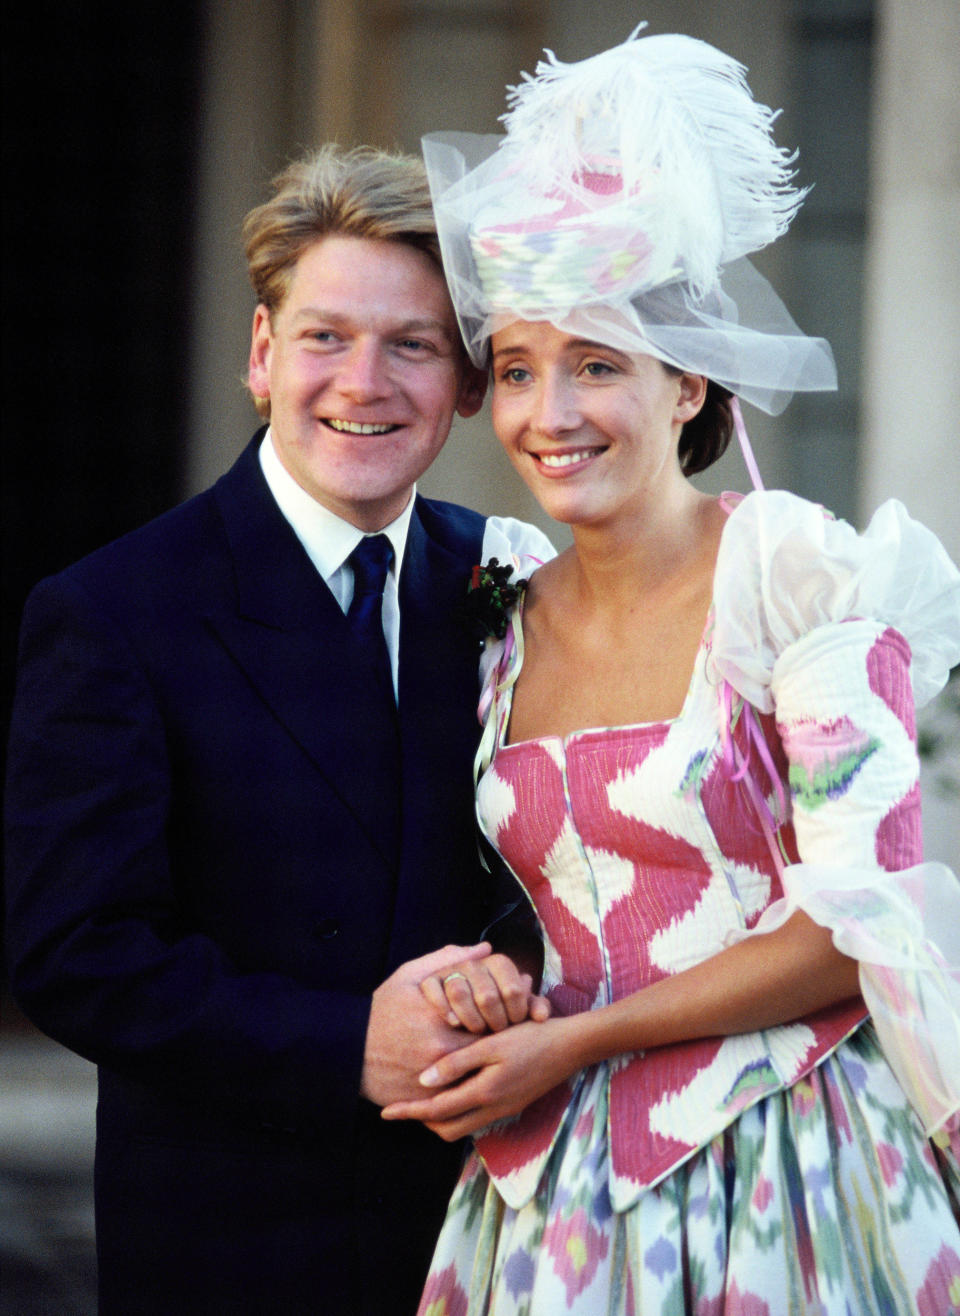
[(326, 537)]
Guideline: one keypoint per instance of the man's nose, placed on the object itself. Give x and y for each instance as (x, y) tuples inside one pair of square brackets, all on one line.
[(362, 375)]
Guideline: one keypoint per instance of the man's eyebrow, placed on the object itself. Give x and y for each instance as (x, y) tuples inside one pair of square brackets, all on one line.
[(427, 325), (420, 324), (318, 313)]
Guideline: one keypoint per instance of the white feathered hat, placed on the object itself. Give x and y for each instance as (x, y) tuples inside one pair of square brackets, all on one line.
[(620, 205)]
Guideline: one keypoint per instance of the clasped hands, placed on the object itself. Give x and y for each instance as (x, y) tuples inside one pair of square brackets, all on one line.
[(484, 995), (459, 1039)]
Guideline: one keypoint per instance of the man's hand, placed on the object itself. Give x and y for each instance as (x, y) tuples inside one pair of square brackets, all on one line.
[(406, 1034), (485, 995)]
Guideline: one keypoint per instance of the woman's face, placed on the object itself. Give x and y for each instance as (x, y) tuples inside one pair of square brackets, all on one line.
[(592, 431)]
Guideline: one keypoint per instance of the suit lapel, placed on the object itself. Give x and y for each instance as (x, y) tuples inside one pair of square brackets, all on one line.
[(438, 698), (436, 645), (289, 635)]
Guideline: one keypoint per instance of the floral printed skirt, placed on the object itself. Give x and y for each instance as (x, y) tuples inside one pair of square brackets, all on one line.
[(825, 1198)]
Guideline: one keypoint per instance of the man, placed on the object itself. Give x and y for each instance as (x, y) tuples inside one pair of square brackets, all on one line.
[(233, 853)]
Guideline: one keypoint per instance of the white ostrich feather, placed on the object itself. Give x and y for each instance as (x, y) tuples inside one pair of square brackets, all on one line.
[(675, 118)]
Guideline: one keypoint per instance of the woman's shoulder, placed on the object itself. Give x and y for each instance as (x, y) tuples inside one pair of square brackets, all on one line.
[(806, 567), (777, 508), (787, 566)]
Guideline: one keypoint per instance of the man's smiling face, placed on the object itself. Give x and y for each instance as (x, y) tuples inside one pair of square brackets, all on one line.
[(364, 370)]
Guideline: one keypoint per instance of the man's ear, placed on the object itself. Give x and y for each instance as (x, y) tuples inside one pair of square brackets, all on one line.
[(261, 343), (473, 389), (693, 394)]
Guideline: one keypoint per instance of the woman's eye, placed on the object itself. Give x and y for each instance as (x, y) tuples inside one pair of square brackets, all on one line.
[(515, 375)]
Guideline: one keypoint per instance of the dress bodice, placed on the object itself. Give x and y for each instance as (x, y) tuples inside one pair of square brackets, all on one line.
[(621, 838)]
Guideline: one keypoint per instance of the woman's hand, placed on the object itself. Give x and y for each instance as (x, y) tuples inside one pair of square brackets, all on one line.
[(486, 995), (492, 1078)]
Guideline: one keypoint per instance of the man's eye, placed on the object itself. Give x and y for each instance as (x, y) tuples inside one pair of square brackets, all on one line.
[(597, 368)]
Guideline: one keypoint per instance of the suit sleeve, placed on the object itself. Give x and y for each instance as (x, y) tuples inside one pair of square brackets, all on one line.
[(97, 948)]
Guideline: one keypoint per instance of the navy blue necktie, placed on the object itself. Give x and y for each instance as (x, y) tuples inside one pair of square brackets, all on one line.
[(370, 561), (380, 736)]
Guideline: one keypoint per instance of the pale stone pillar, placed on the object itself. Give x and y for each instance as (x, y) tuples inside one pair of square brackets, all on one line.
[(244, 124), (911, 449), (912, 368)]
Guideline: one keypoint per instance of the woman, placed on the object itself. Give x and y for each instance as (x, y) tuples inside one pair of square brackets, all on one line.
[(698, 759)]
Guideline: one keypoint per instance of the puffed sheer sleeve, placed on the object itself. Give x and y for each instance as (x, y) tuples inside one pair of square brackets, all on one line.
[(841, 636)]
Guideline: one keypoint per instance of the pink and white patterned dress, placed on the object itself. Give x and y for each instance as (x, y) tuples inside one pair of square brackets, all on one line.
[(775, 1172)]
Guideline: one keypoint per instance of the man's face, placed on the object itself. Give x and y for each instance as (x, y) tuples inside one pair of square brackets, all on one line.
[(364, 371)]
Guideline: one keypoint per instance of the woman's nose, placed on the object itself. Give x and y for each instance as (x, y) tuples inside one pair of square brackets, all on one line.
[(557, 412)]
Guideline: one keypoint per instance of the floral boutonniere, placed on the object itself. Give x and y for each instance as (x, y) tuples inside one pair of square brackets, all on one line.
[(490, 596)]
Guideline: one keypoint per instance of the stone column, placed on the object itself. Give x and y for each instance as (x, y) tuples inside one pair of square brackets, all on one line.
[(911, 403), (251, 119)]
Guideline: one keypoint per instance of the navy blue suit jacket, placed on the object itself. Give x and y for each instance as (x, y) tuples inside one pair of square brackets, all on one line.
[(200, 900)]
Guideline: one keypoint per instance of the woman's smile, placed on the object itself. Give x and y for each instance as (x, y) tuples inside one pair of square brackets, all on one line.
[(566, 462)]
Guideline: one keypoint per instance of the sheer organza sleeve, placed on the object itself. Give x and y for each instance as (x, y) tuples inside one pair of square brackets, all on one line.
[(842, 635), (786, 567)]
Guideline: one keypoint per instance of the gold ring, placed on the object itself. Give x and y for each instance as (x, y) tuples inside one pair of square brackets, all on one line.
[(450, 977)]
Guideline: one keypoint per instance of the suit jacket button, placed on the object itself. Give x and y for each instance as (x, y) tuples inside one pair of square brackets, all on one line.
[(325, 929)]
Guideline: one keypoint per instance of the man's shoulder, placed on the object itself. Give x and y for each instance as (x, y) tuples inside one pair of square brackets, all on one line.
[(458, 526), (450, 524), (151, 549)]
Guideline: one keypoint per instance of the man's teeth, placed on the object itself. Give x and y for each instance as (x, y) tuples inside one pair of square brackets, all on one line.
[(355, 427), (567, 458)]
